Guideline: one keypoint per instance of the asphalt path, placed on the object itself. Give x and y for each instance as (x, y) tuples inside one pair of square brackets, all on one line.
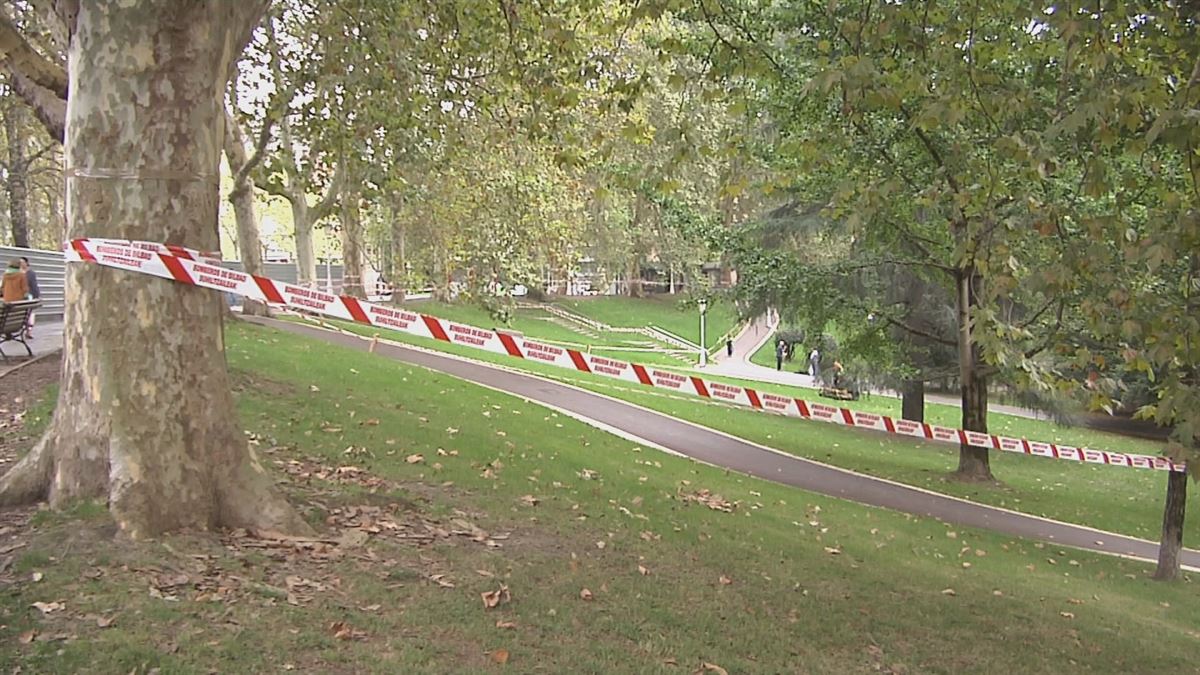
[(722, 450)]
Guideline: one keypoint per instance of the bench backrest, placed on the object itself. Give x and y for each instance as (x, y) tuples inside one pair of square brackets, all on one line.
[(14, 315)]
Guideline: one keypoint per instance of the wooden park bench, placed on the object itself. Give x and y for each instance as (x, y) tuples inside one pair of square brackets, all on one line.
[(14, 321)]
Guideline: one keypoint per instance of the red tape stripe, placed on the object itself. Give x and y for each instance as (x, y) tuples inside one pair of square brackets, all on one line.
[(847, 417), (753, 396), (176, 269), (510, 345), (80, 246), (642, 375), (802, 406), (701, 389), (435, 328), (580, 362), (356, 310), (269, 290)]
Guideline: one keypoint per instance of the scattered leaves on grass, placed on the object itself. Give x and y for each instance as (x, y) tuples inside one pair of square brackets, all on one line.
[(713, 501), (344, 631), (530, 500), (440, 580), (586, 594), (495, 598), (415, 458), (48, 607), (500, 656)]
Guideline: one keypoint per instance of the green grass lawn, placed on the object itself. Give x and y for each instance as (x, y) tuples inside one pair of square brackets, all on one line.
[(659, 310), (786, 582), (1128, 501)]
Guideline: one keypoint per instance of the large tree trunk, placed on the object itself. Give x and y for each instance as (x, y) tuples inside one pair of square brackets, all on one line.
[(352, 243), (18, 175), (306, 258), (912, 400), (1172, 531), (145, 418), (242, 197), (973, 463)]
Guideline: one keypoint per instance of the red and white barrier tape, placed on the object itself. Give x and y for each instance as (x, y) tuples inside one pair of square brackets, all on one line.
[(194, 268)]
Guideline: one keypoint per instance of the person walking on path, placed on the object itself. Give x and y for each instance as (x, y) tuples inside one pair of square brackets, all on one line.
[(35, 292), (15, 286), (814, 363), (780, 350)]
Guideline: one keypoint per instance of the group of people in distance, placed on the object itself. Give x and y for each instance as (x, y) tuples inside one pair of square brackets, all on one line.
[(784, 350), (20, 283)]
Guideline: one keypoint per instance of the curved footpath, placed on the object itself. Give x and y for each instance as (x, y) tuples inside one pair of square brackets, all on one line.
[(719, 449)]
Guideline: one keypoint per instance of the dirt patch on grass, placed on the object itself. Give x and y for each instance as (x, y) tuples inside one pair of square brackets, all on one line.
[(244, 382), (22, 391)]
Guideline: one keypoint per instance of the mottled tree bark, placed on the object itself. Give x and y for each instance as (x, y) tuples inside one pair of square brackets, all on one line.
[(352, 242), (145, 417), (912, 400), (17, 183), (974, 464), (242, 198), (1174, 511), (399, 271)]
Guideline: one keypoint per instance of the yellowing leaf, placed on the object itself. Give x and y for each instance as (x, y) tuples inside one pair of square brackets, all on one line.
[(500, 656), (714, 668), (47, 607), (949, 591), (643, 571), (494, 598), (724, 580), (1066, 615), (415, 459), (586, 594), (507, 625), (530, 500)]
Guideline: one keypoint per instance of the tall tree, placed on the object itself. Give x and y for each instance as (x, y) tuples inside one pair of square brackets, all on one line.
[(145, 417)]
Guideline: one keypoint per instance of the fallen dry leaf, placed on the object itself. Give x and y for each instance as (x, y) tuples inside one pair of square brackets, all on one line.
[(1066, 615), (530, 500), (415, 459), (500, 656), (1074, 601), (725, 581), (714, 668), (440, 580), (948, 591), (28, 637), (344, 631), (507, 625), (495, 598), (105, 621), (47, 607), (373, 422), (586, 594), (833, 551), (36, 576), (670, 661), (643, 571)]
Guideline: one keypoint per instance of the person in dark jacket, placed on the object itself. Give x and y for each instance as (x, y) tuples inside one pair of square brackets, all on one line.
[(34, 292)]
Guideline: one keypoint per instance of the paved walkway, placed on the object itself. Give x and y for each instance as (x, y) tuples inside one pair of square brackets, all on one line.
[(719, 449), (47, 337)]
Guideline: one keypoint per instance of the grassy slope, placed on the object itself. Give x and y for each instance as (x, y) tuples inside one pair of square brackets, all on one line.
[(658, 310), (791, 604), (1120, 500)]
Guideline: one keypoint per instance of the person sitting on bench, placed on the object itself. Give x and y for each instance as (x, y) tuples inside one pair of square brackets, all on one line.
[(15, 286)]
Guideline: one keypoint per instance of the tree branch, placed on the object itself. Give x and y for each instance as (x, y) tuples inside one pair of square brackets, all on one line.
[(47, 107), (20, 57), (325, 207)]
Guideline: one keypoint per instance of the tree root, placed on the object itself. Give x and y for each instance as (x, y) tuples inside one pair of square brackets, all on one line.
[(28, 481)]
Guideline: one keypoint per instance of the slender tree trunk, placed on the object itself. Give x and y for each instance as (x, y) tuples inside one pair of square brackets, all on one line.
[(18, 175), (242, 197), (973, 463), (399, 272), (352, 243), (1171, 543), (912, 402), (306, 258), (145, 418)]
